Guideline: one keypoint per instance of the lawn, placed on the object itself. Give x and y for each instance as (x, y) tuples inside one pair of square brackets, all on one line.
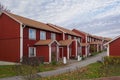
[(95, 70), (8, 70)]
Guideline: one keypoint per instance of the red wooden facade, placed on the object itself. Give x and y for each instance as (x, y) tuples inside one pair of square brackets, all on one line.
[(9, 39), (15, 42), (114, 47), (95, 43)]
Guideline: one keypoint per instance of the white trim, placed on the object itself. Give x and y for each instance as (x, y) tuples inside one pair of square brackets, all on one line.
[(86, 51), (49, 53), (54, 41), (34, 52), (86, 38), (112, 40), (97, 47), (108, 52), (63, 36), (57, 52), (76, 47), (21, 42), (68, 52), (12, 17)]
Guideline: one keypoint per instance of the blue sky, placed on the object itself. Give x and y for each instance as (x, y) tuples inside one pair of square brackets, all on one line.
[(99, 17)]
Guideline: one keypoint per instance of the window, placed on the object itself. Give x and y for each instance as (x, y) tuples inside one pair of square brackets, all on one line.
[(79, 39), (32, 51), (69, 37), (32, 34), (53, 36), (42, 35), (75, 38), (88, 39)]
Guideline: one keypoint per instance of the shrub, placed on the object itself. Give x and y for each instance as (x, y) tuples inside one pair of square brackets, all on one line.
[(27, 72), (28, 68), (54, 62), (33, 61), (111, 60), (110, 65)]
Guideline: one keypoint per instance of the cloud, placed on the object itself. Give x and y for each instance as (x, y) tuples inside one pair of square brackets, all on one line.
[(88, 15)]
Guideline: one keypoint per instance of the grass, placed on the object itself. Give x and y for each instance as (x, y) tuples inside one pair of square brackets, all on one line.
[(49, 67), (7, 70), (95, 70), (95, 53)]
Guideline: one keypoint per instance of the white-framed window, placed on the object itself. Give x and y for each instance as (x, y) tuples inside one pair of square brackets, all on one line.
[(79, 39), (75, 37), (88, 39), (32, 51), (53, 36), (32, 34), (42, 35), (69, 37)]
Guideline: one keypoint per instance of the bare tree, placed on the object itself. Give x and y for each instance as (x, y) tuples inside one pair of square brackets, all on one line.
[(3, 8)]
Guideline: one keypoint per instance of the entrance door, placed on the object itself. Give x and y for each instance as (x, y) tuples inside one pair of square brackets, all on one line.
[(61, 52), (54, 52)]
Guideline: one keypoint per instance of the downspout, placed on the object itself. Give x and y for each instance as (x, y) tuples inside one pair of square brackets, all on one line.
[(76, 47), (68, 52), (21, 41), (108, 52), (49, 53), (63, 36)]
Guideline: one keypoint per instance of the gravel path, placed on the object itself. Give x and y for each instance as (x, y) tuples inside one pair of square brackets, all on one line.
[(70, 67)]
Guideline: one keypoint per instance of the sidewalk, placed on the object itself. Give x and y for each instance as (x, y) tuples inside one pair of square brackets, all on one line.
[(7, 63), (67, 68)]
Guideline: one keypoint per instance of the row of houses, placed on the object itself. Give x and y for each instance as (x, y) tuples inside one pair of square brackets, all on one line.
[(20, 36)]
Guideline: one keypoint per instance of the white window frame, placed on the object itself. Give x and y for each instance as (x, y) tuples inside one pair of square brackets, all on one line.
[(33, 34), (87, 39), (79, 39), (69, 37), (75, 37), (34, 51), (42, 35), (53, 36)]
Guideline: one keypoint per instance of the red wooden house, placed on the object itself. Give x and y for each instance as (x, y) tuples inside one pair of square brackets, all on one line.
[(90, 43), (96, 43), (113, 47), (69, 43), (85, 44), (20, 36)]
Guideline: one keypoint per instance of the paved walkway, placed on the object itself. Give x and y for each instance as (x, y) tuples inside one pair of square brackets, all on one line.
[(68, 68), (7, 63)]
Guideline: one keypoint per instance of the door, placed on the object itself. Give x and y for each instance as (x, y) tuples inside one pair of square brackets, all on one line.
[(61, 52)]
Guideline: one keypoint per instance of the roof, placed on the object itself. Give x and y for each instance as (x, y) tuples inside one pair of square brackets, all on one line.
[(98, 42), (94, 36), (65, 42), (32, 23), (113, 40), (64, 30), (97, 37), (81, 32), (84, 44), (107, 39), (43, 42)]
